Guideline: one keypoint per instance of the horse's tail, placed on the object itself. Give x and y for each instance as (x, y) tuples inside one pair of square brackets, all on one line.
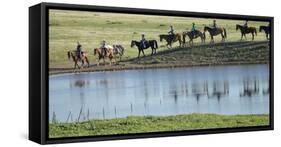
[(224, 33), (204, 36), (156, 45), (183, 37), (255, 30), (68, 55)]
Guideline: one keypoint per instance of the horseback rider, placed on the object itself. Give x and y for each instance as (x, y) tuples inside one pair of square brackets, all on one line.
[(214, 24), (246, 24), (193, 29), (171, 32), (103, 48), (79, 50), (143, 41)]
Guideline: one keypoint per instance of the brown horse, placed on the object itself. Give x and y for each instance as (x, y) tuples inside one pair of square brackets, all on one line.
[(216, 31), (170, 39), (246, 30), (109, 54), (76, 59), (192, 36)]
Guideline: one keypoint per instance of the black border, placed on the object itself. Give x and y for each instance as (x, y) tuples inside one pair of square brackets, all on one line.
[(45, 74)]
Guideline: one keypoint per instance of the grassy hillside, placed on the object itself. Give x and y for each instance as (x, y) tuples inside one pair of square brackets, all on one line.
[(138, 124), (90, 28)]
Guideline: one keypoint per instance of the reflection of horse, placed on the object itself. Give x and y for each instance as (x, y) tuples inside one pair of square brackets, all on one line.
[(246, 30), (193, 35), (109, 54), (249, 90), (170, 39), (76, 59), (216, 31), (118, 50), (266, 30), (148, 44), (219, 92)]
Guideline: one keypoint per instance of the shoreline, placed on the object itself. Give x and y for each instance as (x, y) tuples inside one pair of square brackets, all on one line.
[(103, 68)]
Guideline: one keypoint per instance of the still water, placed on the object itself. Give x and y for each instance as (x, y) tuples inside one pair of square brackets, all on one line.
[(229, 90)]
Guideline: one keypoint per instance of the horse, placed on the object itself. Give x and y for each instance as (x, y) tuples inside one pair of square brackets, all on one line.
[(118, 50), (266, 30), (216, 31), (170, 39), (148, 44), (109, 54), (76, 59), (192, 36), (247, 30)]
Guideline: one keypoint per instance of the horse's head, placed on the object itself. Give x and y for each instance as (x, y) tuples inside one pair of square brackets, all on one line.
[(133, 43), (161, 38), (95, 51), (237, 27), (68, 55), (205, 28), (260, 28)]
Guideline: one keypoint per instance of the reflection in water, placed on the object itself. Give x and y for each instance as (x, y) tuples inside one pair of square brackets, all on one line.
[(104, 95), (250, 87), (220, 89)]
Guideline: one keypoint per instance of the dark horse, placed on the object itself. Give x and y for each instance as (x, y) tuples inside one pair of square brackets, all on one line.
[(76, 59), (247, 30), (171, 39), (148, 44), (216, 31), (192, 36), (266, 30)]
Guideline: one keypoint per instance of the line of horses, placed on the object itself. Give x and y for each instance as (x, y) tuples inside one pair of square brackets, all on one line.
[(118, 50)]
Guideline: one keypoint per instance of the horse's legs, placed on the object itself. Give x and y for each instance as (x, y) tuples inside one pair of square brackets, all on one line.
[(142, 52), (139, 54), (74, 64), (253, 36), (98, 60), (110, 60), (87, 61), (82, 61), (212, 39)]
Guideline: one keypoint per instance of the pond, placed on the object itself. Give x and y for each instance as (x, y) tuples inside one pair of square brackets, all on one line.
[(229, 90)]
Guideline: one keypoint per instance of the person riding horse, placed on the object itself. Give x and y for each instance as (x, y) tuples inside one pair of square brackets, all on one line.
[(103, 48), (214, 24), (193, 29), (246, 24), (143, 41), (79, 50), (171, 33)]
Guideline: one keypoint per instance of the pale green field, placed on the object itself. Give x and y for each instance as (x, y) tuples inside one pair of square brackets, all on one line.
[(90, 28)]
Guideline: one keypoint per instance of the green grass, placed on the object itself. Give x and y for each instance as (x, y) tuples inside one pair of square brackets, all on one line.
[(138, 124), (90, 28)]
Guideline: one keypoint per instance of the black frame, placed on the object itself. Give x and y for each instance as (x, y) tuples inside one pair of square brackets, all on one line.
[(38, 71)]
